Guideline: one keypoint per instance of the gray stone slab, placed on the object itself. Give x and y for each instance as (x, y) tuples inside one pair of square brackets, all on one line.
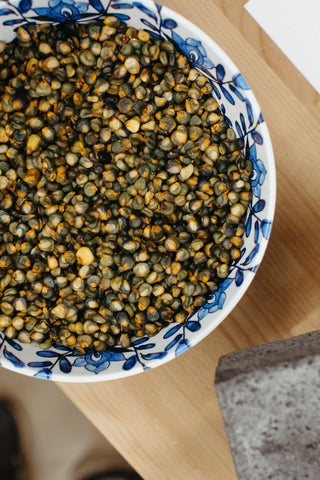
[(269, 397)]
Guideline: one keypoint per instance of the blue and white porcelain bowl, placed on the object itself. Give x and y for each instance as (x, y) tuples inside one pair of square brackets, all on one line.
[(240, 106)]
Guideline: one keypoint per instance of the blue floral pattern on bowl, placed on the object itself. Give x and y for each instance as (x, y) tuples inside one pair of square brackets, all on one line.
[(62, 10), (237, 101)]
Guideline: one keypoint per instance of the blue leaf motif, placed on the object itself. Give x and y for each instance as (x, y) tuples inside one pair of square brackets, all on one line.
[(228, 96), (256, 231), (153, 356), (240, 133), (183, 345), (261, 119), (121, 16), (169, 23), (256, 137), (250, 112), (121, 5), (220, 71), (97, 5), (240, 82), (61, 347), (249, 225), (81, 16), (5, 11), (145, 10), (139, 341), (12, 22), (193, 326), (172, 330), (159, 7), (259, 206), (46, 363), (254, 268), (146, 346), (12, 358), (239, 277), (243, 123), (24, 6), (48, 353), (150, 25), (65, 365), (173, 342), (216, 91), (266, 228), (130, 363), (236, 92), (252, 254), (154, 34), (14, 344)]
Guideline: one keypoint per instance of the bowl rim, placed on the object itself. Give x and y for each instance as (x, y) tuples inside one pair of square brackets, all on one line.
[(75, 376)]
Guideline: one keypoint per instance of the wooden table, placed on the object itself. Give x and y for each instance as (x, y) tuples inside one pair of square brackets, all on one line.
[(166, 422)]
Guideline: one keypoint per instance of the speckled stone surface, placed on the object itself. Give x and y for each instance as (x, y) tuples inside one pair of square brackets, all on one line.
[(270, 401)]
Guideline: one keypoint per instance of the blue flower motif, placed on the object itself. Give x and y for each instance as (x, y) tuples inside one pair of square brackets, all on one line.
[(62, 10), (93, 361), (193, 50)]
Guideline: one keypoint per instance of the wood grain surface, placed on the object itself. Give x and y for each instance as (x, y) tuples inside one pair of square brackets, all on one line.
[(166, 422)]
